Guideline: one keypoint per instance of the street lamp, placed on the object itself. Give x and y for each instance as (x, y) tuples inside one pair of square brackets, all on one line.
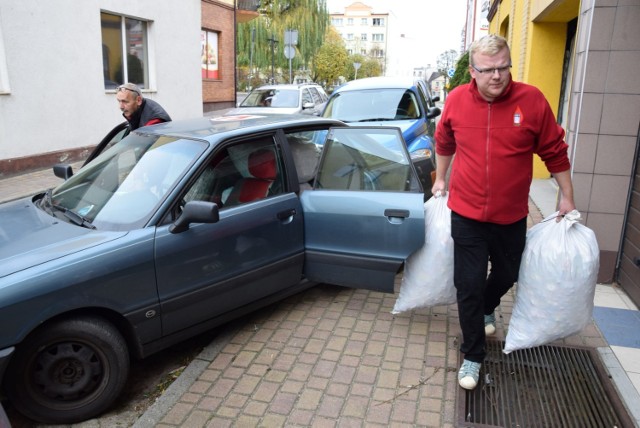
[(356, 65)]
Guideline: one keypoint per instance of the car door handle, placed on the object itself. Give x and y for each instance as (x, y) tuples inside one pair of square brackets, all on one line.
[(391, 212), (286, 214)]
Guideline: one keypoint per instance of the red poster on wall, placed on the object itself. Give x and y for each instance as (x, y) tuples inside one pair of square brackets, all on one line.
[(209, 49)]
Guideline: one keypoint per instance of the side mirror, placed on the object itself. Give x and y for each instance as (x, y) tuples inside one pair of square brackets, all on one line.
[(307, 106), (436, 98), (433, 112), (195, 212), (63, 170)]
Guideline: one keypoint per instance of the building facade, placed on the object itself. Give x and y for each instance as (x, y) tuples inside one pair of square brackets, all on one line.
[(584, 56), (364, 31), (60, 62), (218, 50)]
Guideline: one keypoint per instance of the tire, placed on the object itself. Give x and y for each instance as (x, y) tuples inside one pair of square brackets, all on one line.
[(68, 371)]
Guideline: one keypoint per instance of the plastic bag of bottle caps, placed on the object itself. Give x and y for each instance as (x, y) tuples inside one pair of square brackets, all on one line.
[(556, 283), (428, 273)]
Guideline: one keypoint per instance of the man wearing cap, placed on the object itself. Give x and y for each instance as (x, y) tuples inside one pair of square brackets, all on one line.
[(137, 110)]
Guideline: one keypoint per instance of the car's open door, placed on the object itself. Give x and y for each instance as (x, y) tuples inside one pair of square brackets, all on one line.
[(365, 214), (114, 136)]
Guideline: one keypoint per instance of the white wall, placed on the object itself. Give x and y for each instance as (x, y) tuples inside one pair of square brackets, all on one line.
[(53, 56)]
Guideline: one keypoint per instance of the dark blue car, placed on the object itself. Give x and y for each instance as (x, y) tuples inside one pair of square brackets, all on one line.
[(405, 103), (180, 227)]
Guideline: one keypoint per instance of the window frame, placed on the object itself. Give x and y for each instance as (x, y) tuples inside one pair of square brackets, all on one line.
[(147, 82), (215, 71), (5, 88)]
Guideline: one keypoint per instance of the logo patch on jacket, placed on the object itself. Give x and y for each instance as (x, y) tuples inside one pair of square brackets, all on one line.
[(517, 117)]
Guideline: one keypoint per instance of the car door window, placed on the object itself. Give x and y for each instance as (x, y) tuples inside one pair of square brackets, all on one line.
[(240, 173), (306, 97), (317, 99), (357, 159)]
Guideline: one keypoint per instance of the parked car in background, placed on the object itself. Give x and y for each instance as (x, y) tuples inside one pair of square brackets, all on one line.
[(182, 226), (405, 103), (305, 98)]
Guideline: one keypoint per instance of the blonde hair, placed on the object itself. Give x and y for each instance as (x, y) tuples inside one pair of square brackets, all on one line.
[(488, 45)]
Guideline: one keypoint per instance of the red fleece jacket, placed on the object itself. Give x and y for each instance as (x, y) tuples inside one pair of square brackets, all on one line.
[(494, 145)]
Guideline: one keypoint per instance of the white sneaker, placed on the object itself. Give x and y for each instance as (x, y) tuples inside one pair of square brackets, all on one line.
[(490, 324), (469, 374)]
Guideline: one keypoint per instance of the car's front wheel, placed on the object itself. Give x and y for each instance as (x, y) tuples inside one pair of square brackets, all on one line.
[(69, 371)]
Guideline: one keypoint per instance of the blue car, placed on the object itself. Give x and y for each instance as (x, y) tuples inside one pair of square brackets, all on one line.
[(180, 227), (387, 101)]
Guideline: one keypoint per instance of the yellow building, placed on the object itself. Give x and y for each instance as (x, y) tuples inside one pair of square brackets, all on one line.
[(585, 56)]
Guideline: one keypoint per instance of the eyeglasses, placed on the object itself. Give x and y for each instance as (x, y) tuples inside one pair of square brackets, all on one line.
[(124, 88), (491, 71)]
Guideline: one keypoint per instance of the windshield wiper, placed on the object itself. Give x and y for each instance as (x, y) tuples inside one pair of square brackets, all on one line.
[(74, 217), (45, 202), (380, 119)]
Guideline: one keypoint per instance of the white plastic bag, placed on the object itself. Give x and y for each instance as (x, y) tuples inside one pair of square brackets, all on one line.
[(428, 273), (556, 283)]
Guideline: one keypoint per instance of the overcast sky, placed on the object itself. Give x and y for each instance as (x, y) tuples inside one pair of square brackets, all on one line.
[(435, 25)]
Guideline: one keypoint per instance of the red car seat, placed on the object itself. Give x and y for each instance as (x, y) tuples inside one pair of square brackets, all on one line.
[(262, 167)]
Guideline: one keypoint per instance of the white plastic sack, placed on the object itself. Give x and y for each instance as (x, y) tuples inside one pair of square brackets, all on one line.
[(428, 273), (556, 283)]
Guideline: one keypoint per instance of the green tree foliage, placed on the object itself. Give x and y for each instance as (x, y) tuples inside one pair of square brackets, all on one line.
[(308, 17), (461, 74), (369, 67), (331, 60)]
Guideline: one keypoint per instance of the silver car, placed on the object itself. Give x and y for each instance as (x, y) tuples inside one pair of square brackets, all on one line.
[(307, 98), (182, 226)]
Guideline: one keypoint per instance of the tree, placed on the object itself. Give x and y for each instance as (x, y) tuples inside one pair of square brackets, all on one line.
[(445, 61), (369, 67), (331, 60), (308, 17), (461, 74)]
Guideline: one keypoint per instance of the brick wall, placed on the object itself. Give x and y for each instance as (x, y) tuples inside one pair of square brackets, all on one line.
[(220, 93)]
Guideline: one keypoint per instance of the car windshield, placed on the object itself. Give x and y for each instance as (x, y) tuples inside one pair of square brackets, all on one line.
[(373, 105), (122, 188), (272, 98)]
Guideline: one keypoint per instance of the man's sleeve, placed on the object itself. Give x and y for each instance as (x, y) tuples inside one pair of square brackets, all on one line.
[(552, 147)]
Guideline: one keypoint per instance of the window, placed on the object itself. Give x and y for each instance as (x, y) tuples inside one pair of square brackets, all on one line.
[(240, 174), (349, 21), (363, 159), (350, 36), (363, 21), (209, 53), (336, 22), (378, 53), (363, 37), (377, 37), (378, 22), (125, 54)]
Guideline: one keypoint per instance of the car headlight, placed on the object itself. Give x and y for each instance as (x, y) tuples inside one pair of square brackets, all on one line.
[(421, 154)]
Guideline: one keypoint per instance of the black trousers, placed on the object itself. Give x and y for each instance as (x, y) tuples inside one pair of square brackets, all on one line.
[(478, 245)]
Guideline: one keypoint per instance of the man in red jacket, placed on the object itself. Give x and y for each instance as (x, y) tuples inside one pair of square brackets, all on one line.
[(493, 125)]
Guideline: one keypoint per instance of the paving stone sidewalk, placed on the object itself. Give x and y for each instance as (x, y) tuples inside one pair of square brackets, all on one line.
[(330, 357)]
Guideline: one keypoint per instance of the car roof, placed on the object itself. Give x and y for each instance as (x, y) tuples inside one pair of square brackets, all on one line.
[(222, 127), (287, 86), (377, 83)]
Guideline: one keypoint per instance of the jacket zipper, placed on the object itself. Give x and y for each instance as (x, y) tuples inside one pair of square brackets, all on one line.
[(487, 157)]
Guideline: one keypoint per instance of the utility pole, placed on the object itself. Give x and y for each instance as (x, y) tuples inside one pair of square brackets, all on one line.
[(253, 41), (273, 42)]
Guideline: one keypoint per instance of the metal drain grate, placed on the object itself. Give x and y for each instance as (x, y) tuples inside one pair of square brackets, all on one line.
[(546, 386)]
